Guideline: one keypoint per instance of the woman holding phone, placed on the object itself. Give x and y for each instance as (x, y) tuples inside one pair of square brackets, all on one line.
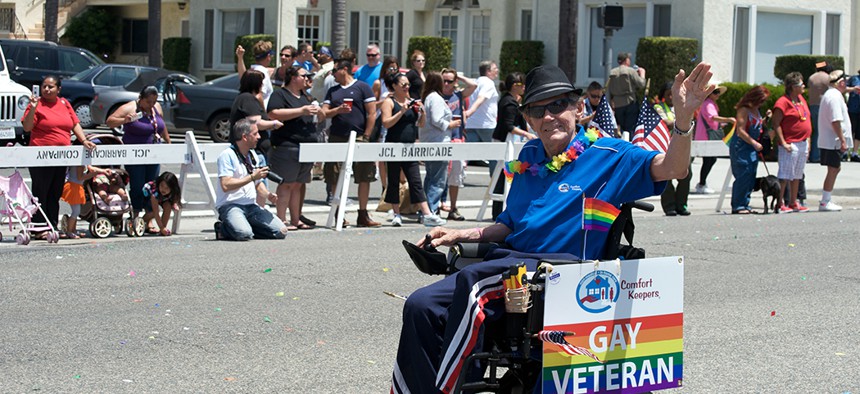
[(142, 123)]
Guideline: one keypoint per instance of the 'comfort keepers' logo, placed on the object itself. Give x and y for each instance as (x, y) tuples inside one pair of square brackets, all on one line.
[(597, 291)]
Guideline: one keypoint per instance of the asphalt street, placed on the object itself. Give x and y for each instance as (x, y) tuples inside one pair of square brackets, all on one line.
[(770, 304)]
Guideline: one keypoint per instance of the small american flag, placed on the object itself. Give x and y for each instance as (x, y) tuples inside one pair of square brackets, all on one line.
[(557, 338), (651, 131), (604, 119)]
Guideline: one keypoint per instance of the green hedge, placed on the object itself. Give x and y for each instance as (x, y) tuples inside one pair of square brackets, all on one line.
[(437, 51), (176, 53), (520, 56), (95, 29), (248, 42), (662, 57), (804, 64), (734, 92)]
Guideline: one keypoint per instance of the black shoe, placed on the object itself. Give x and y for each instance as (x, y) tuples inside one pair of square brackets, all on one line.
[(671, 213), (855, 158), (684, 213), (307, 221), (218, 235)]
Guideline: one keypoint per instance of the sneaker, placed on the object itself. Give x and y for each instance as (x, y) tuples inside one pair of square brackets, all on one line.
[(828, 206), (455, 215), (785, 209), (434, 220), (703, 189), (397, 221), (855, 158), (799, 208)]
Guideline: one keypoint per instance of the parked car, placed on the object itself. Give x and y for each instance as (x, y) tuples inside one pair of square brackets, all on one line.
[(207, 106), (14, 99), (29, 61), (80, 88), (108, 100)]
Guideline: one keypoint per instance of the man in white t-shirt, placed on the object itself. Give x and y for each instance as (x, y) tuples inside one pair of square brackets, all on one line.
[(834, 135), (239, 184), (483, 105)]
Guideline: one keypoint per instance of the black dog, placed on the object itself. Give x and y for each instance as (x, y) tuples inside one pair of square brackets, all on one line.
[(769, 187)]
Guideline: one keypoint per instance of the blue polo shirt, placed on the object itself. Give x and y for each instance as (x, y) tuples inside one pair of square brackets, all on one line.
[(368, 74), (545, 214), (854, 98)]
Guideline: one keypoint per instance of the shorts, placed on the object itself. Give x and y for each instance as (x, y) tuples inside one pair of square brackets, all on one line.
[(792, 164), (284, 161), (457, 173), (855, 124), (831, 158), (73, 194), (361, 172)]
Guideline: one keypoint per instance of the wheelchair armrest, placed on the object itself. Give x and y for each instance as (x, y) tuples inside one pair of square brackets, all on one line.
[(462, 255)]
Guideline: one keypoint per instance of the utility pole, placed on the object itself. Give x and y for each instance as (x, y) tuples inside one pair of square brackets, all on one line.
[(154, 37), (52, 9)]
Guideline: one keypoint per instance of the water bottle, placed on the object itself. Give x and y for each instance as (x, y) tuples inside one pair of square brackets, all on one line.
[(315, 104)]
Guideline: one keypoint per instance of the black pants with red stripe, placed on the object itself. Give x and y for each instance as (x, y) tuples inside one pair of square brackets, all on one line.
[(444, 322)]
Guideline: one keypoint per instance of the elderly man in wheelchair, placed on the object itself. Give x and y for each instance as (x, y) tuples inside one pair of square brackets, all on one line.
[(567, 187)]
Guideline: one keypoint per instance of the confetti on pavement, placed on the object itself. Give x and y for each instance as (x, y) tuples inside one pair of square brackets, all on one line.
[(279, 294), (267, 270), (267, 319), (773, 313), (790, 245)]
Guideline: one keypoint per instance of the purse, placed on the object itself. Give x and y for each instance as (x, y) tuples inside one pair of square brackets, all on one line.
[(713, 134)]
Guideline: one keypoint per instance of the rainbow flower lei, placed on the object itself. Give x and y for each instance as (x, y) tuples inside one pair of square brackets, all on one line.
[(580, 143)]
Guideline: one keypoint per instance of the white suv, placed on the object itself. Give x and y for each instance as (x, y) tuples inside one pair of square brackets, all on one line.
[(14, 99)]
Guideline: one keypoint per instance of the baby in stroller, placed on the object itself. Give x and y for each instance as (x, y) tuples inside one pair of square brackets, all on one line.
[(111, 182)]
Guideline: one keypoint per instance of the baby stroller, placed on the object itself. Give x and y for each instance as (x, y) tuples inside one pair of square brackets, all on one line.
[(17, 205), (106, 218)]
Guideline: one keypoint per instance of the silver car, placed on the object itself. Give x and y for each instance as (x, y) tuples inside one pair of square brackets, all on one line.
[(108, 100)]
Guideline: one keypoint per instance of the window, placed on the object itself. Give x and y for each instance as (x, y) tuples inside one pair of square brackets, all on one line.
[(526, 25), (310, 26), (381, 32), (480, 43), (662, 20), (779, 34), (135, 37), (448, 28), (831, 36), (36, 57), (624, 40), (73, 61), (234, 24)]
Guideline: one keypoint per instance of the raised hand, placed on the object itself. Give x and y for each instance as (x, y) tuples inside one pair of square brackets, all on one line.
[(688, 92)]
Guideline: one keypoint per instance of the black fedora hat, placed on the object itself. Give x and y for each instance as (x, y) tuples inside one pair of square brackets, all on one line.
[(547, 81)]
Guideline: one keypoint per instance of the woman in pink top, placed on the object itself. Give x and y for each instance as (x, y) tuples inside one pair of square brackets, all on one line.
[(709, 115)]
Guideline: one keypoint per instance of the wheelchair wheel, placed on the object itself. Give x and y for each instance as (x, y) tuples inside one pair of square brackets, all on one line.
[(128, 225), (101, 228)]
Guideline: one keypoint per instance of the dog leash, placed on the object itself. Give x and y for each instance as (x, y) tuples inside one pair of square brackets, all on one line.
[(763, 161)]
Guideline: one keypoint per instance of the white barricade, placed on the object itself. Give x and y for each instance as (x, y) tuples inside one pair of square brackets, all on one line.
[(190, 155), (351, 152), (714, 149)]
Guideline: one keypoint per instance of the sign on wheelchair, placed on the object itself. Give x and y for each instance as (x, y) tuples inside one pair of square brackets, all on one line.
[(618, 326)]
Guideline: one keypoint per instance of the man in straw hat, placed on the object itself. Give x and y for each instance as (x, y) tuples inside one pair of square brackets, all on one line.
[(553, 177), (834, 135)]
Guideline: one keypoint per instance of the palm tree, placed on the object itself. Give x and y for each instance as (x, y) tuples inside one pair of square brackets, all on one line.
[(338, 25), (51, 11), (154, 37)]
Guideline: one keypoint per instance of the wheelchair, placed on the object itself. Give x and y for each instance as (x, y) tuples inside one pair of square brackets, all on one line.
[(512, 342)]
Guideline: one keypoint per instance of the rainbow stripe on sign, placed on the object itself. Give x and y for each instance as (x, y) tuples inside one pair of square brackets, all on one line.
[(639, 355), (598, 215)]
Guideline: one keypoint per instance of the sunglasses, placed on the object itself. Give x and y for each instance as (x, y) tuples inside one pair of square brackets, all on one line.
[(372, 54), (286, 55), (594, 97), (419, 60), (306, 76), (449, 81), (555, 108), (405, 85)]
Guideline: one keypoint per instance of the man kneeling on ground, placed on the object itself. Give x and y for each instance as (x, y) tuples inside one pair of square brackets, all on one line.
[(240, 182)]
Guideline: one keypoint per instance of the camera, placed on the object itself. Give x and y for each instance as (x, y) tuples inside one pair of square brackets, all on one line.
[(275, 178)]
